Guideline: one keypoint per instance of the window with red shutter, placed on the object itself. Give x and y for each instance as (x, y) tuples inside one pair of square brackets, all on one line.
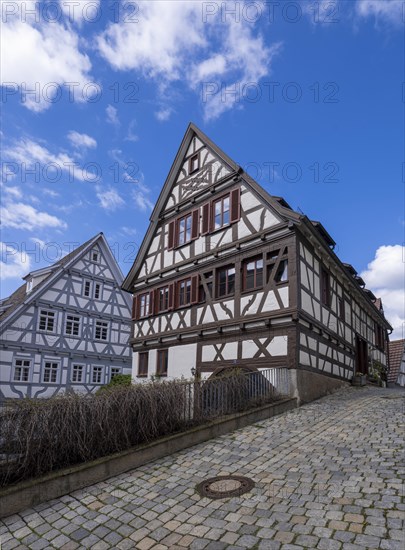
[(195, 224), (235, 205), (171, 235)]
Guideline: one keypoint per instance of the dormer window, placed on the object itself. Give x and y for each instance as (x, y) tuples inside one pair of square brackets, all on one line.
[(95, 256), (29, 285), (194, 163)]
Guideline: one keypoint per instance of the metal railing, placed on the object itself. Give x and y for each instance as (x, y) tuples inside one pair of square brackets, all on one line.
[(237, 391)]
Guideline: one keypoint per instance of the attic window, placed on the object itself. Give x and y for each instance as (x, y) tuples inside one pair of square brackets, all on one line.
[(95, 256), (29, 285), (194, 163)]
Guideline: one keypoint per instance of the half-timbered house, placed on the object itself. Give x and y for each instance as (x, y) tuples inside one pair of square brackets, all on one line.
[(67, 327), (230, 276)]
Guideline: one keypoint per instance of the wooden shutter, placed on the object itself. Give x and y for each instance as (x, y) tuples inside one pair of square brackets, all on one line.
[(151, 302), (171, 296), (206, 218), (195, 224), (134, 308), (235, 205), (194, 289), (171, 235)]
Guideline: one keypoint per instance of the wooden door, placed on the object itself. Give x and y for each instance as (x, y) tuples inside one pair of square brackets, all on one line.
[(361, 355)]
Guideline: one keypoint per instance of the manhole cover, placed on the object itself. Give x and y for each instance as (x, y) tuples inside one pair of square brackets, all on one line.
[(225, 486)]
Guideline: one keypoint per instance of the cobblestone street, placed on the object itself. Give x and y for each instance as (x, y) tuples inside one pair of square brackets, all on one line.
[(328, 475)]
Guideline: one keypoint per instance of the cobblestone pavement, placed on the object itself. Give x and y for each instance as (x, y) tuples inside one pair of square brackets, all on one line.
[(328, 475)]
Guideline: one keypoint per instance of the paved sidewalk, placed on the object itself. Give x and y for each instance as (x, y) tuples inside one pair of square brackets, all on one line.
[(328, 475)]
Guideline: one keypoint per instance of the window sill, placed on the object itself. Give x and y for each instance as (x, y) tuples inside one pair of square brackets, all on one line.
[(250, 290)]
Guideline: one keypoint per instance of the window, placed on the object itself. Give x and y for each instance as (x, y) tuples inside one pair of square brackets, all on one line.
[(97, 291), (184, 292), (325, 287), (101, 332), (282, 272), (29, 286), (184, 230), (144, 304), (143, 361), (50, 373), (77, 373), (95, 256), (22, 370), (72, 327), (47, 321), (379, 336), (194, 163), (225, 281), (253, 273), (163, 298), (221, 212), (162, 360), (97, 375), (115, 371), (87, 288)]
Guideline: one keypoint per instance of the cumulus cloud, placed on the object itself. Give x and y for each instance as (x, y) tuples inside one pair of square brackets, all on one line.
[(29, 154), (36, 55), (164, 114), (178, 41), (112, 115), (13, 263), (18, 215), (386, 11), (81, 140), (109, 199), (385, 277)]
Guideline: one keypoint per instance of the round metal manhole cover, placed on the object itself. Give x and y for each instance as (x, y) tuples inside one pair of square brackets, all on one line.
[(225, 486)]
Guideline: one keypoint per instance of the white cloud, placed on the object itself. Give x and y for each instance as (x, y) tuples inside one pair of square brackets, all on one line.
[(141, 200), (131, 136), (385, 277), (112, 115), (387, 11), (109, 199), (30, 154), (14, 263), (178, 41), (79, 11), (18, 215), (14, 192), (81, 140), (164, 114), (50, 193), (36, 55)]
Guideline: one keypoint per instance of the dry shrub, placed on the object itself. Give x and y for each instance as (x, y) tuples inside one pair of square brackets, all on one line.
[(39, 436)]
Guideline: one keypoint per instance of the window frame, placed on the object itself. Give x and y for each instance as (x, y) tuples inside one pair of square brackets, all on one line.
[(82, 372), (144, 374), (106, 326), (214, 202), (256, 286), (22, 368), (178, 292), (47, 313), (186, 230), (227, 292), (79, 324), (144, 309), (100, 289), (159, 371), (194, 157), (158, 304), (102, 372), (51, 370), (87, 282), (97, 253), (118, 371)]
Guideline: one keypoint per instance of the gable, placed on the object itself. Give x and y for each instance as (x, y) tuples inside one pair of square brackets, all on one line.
[(191, 183)]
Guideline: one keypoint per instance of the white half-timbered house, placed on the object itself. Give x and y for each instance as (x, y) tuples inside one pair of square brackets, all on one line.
[(228, 275), (67, 328)]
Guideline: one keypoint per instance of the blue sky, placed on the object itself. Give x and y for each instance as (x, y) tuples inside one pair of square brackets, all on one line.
[(307, 97)]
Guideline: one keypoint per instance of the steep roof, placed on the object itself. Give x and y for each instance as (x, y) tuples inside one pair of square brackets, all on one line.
[(396, 351), (20, 298)]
